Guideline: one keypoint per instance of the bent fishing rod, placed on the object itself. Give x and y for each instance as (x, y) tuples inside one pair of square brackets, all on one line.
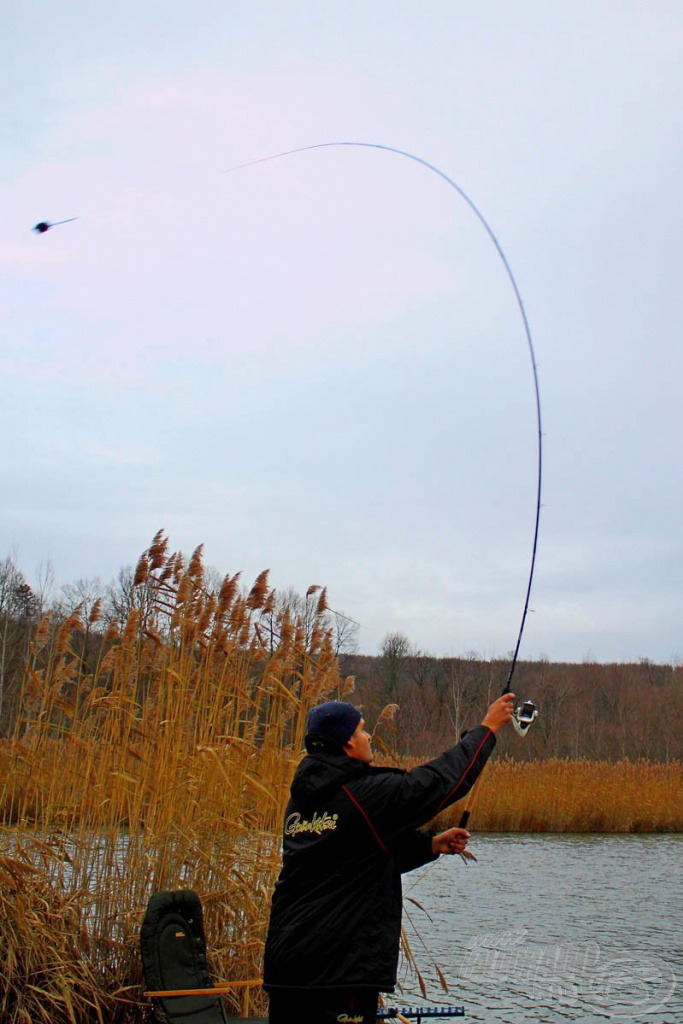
[(526, 711)]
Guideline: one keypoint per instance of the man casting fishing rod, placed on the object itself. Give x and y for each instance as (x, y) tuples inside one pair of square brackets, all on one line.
[(351, 830)]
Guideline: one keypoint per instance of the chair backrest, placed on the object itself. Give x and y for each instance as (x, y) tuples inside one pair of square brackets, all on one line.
[(173, 952)]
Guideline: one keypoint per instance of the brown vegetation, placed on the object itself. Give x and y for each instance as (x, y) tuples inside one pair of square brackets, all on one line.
[(164, 763), (576, 796)]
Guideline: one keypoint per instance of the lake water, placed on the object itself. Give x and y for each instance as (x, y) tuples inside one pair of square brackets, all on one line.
[(553, 928)]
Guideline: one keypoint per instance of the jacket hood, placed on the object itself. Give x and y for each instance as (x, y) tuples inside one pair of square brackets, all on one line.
[(322, 774)]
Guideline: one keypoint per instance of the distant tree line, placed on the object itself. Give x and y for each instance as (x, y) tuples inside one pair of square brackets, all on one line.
[(587, 711)]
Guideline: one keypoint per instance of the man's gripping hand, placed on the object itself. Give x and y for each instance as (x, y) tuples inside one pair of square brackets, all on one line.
[(500, 712)]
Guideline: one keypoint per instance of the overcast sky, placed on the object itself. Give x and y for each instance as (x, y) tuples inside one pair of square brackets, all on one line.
[(317, 365)]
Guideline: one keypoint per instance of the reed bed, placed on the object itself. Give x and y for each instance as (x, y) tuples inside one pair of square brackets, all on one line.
[(164, 765), (576, 796)]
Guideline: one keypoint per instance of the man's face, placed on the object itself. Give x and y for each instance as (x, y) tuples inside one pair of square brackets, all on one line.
[(360, 744)]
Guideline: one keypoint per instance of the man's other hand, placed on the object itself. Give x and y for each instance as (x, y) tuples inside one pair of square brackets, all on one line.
[(453, 840)]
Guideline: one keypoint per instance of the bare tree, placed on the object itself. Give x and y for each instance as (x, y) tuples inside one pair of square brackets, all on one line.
[(45, 585), (18, 613), (345, 632), (314, 612), (395, 650), (121, 595), (83, 594)]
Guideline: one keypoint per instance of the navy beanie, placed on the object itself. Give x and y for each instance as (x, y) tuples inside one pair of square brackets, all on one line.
[(335, 720)]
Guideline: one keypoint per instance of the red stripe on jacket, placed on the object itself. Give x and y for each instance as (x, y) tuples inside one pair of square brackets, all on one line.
[(464, 774), (363, 812)]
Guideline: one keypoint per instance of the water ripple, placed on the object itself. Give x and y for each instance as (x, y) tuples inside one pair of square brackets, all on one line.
[(547, 929)]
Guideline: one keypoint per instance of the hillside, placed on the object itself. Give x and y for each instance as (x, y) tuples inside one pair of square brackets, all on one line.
[(587, 711)]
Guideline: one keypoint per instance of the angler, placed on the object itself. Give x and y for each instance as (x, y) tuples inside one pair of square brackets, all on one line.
[(335, 924)]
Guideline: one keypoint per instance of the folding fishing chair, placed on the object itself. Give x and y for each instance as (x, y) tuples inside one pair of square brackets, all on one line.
[(173, 952)]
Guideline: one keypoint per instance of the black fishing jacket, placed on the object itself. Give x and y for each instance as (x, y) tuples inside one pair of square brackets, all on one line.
[(350, 831)]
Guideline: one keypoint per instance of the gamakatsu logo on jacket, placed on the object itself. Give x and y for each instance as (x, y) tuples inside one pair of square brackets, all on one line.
[(318, 823), (344, 1018)]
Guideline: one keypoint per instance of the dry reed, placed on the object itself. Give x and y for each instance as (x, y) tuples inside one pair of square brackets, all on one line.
[(576, 796), (166, 765)]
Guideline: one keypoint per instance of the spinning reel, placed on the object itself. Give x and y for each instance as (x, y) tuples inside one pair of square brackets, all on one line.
[(524, 716)]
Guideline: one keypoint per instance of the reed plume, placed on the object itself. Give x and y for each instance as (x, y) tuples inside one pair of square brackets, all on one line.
[(259, 592)]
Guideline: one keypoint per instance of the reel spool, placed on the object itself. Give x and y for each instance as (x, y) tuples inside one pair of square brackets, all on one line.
[(524, 716)]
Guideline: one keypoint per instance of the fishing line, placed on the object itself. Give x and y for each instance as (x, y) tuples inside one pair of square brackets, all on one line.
[(527, 331)]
